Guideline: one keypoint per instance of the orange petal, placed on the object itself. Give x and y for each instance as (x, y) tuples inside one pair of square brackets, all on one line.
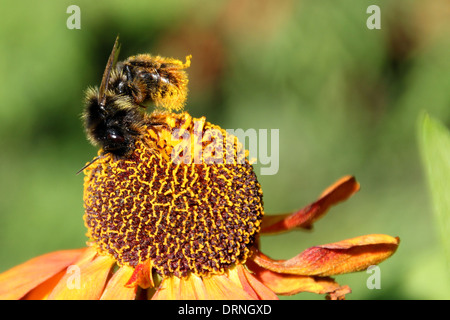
[(304, 218), (142, 276), (42, 291), (346, 256), (238, 277), (117, 289), (19, 280), (289, 284), (254, 287), (85, 279)]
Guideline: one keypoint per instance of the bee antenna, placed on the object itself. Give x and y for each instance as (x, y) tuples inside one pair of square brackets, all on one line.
[(107, 73), (88, 164)]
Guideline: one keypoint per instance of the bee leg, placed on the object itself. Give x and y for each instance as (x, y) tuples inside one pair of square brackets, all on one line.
[(128, 73), (159, 124), (89, 163)]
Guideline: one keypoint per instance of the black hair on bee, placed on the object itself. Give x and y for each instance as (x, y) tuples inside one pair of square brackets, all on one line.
[(112, 120)]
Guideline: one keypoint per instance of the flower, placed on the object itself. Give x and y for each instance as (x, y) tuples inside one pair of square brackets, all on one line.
[(180, 219)]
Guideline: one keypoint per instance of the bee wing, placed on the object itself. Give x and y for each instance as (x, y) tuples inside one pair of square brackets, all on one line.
[(116, 53), (107, 73)]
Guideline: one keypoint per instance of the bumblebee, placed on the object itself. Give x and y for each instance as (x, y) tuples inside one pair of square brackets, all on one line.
[(115, 112)]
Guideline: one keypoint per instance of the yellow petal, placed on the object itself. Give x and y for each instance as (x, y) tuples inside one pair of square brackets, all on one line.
[(168, 289), (213, 287), (117, 289), (198, 287), (18, 281), (85, 280), (188, 289), (346, 256), (304, 218), (220, 287)]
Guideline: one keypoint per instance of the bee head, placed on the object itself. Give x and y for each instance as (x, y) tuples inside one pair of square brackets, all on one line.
[(112, 122)]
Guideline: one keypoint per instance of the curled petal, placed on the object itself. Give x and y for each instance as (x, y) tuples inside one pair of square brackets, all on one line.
[(339, 294), (304, 218), (290, 284), (346, 256), (18, 281)]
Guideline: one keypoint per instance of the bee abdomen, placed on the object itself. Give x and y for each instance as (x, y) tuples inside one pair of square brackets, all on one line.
[(161, 81)]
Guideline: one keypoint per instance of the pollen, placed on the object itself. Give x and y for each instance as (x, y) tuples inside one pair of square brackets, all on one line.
[(197, 215)]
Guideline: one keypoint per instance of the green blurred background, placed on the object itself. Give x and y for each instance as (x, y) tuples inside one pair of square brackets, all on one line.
[(345, 99)]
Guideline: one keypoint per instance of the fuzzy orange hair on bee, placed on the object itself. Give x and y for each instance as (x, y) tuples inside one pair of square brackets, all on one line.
[(115, 112)]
